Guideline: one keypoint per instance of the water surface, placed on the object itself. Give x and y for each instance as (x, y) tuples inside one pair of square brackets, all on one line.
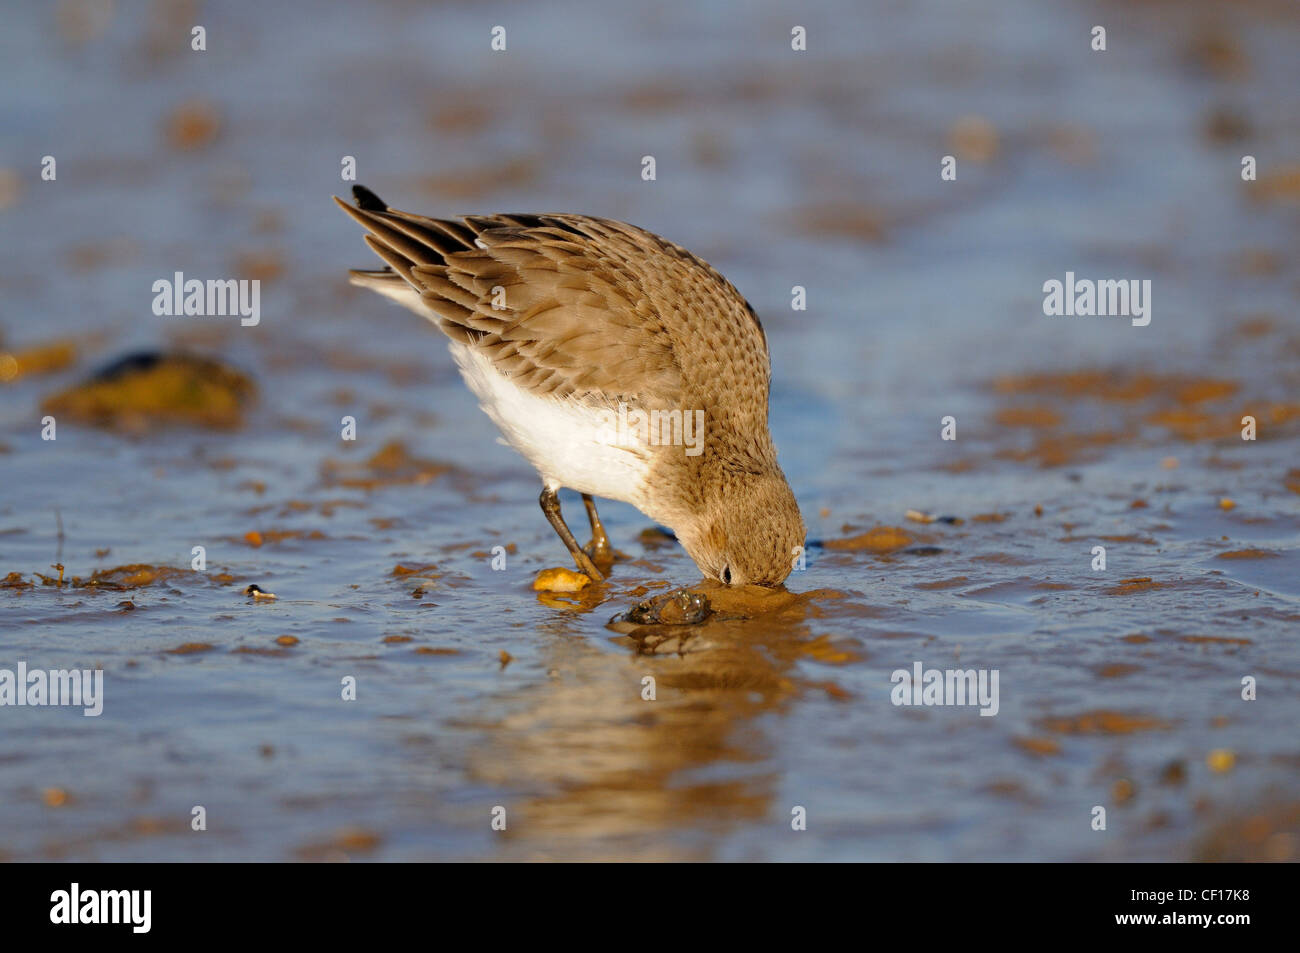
[(1119, 688)]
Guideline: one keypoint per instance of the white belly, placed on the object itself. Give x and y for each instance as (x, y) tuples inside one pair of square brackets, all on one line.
[(566, 442)]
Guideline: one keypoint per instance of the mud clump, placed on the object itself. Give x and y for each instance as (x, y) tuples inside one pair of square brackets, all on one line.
[(1102, 722), (426, 571), (117, 579), (190, 648), (192, 125), (43, 359), (708, 605), (679, 607), (1135, 584), (133, 576), (392, 465), (973, 138), (882, 539), (751, 601), (150, 389), (560, 580)]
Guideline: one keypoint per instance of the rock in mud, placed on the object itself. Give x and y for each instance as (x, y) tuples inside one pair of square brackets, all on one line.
[(679, 607), (560, 580), (150, 389), (43, 359)]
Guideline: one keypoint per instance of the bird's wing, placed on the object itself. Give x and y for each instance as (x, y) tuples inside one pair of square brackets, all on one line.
[(566, 305)]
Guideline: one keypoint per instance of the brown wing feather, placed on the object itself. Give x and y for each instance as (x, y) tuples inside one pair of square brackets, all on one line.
[(589, 304)]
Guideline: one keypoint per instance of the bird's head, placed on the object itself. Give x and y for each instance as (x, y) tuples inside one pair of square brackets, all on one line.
[(747, 532)]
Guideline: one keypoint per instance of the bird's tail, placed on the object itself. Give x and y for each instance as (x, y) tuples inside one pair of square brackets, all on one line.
[(404, 242)]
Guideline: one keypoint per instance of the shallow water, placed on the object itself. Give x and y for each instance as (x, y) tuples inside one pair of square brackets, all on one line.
[(781, 169)]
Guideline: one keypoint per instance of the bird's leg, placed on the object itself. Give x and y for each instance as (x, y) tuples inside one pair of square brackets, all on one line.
[(601, 553), (550, 501)]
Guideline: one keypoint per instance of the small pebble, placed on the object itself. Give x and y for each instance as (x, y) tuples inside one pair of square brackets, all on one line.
[(1221, 760), (1175, 772), (560, 580)]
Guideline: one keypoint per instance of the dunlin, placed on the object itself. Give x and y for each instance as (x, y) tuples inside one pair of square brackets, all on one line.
[(595, 346)]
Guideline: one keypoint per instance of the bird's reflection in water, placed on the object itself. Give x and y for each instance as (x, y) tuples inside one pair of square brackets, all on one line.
[(639, 748)]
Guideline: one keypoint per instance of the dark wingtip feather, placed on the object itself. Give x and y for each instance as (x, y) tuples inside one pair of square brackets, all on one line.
[(368, 200)]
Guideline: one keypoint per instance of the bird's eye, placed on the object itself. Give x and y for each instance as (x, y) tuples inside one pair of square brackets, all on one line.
[(726, 575)]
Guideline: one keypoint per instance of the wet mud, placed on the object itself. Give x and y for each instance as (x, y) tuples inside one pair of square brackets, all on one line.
[(358, 521)]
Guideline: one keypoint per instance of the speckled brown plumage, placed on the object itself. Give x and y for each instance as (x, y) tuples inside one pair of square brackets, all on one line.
[(600, 313)]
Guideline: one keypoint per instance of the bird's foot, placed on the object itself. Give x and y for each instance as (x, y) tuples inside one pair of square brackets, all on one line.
[(586, 565), (601, 553)]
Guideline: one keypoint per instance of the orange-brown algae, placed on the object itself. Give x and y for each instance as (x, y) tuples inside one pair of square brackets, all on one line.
[(1102, 722), (191, 648), (881, 539)]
